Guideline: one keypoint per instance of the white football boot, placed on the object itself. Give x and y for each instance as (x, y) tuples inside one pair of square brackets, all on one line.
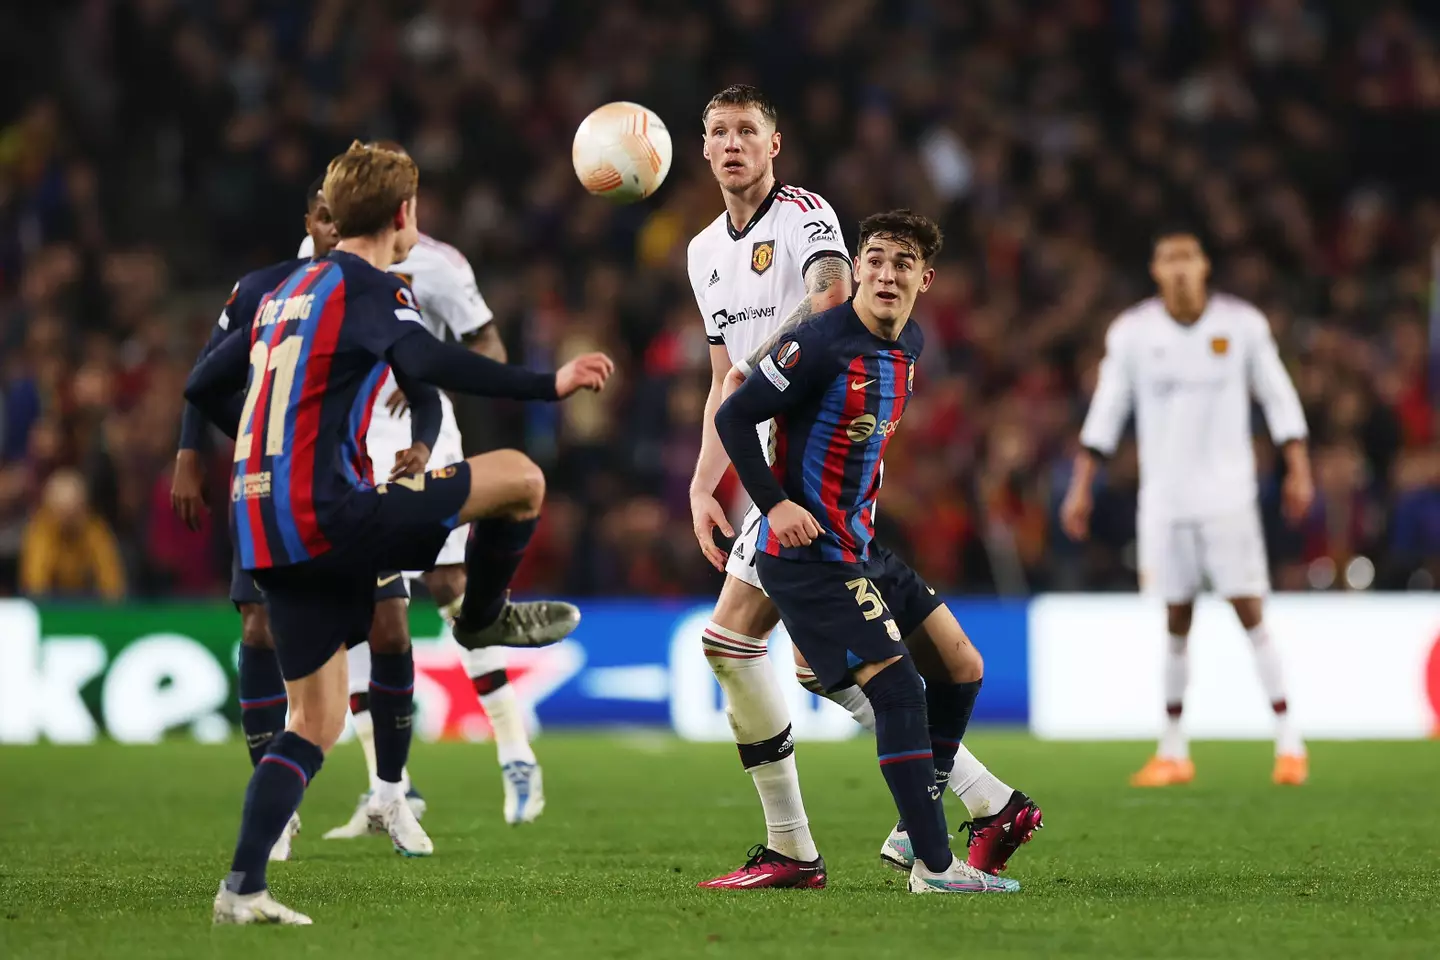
[(896, 852), (524, 791), (364, 820), (243, 908), (281, 850), (409, 838), (960, 878)]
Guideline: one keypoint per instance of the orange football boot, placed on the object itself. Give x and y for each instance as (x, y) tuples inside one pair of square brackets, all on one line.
[(1163, 772), (1291, 770)]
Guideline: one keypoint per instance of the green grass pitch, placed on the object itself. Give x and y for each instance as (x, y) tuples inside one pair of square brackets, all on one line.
[(112, 851)]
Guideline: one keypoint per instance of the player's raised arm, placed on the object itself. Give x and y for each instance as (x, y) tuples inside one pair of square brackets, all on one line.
[(757, 400), (449, 367), (1271, 385), (1104, 423)]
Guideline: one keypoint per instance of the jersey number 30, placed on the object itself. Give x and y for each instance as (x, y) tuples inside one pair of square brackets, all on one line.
[(282, 360)]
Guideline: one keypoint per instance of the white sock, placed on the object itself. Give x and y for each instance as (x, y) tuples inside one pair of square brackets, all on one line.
[(852, 698), (1174, 745), (758, 715), (365, 733), (786, 825), (1272, 679), (507, 716), (981, 791), (386, 792), (357, 663), (512, 743)]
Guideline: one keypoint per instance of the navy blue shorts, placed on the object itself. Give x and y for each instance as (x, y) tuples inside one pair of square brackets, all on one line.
[(841, 615), (406, 522), (315, 611), (388, 585), (321, 605)]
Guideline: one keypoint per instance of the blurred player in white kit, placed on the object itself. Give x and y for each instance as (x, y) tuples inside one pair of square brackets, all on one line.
[(443, 286), (1188, 363)]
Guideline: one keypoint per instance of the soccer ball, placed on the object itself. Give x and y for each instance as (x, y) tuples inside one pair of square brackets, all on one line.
[(622, 152)]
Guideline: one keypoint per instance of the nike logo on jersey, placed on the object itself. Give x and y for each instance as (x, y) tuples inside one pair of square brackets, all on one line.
[(714, 278), (861, 384), (382, 581)]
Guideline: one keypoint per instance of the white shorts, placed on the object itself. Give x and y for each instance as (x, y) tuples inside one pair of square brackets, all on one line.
[(741, 564), (389, 435), (1177, 557)]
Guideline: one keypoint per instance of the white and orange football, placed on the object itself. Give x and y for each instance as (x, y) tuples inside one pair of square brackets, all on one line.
[(622, 152)]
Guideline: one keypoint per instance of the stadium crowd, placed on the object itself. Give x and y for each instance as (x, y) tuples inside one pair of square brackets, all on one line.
[(151, 151)]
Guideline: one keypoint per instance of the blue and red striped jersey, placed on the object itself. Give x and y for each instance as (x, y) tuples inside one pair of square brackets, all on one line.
[(317, 345), (836, 392)]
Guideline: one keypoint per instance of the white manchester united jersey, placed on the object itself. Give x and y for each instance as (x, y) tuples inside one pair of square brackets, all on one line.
[(1190, 388), (747, 281), (443, 284), (445, 291)]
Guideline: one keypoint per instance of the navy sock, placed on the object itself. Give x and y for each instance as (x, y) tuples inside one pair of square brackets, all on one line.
[(902, 739), (948, 705), (392, 706), (492, 556), (276, 788), (262, 699)]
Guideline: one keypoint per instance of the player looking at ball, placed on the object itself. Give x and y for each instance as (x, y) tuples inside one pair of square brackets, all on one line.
[(448, 299), (309, 520)]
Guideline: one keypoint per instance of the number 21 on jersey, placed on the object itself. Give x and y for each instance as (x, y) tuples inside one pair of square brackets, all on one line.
[(282, 361)]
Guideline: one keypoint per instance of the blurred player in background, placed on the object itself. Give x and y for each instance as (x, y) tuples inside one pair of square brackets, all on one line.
[(837, 387), (261, 688), (1188, 363), (777, 245), (443, 285), (309, 520)]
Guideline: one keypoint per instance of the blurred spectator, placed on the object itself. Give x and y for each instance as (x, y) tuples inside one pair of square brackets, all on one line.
[(67, 551), (151, 152)]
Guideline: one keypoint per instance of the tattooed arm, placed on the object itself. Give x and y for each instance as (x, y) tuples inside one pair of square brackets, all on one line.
[(827, 284)]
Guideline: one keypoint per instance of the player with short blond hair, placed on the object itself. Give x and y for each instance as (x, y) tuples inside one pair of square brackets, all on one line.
[(312, 525), (443, 285)]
